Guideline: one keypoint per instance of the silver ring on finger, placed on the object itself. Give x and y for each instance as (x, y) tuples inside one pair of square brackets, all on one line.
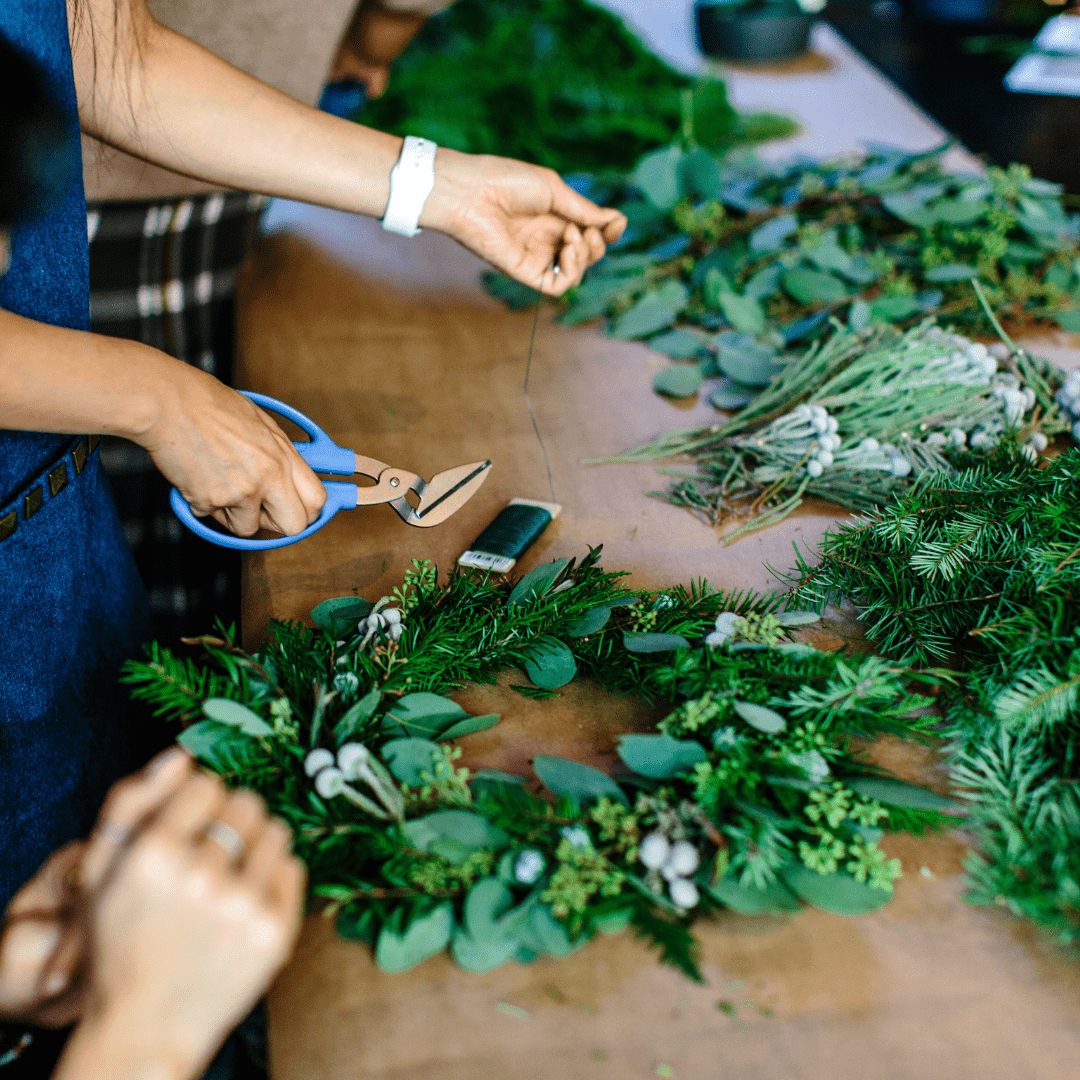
[(114, 833), (228, 839)]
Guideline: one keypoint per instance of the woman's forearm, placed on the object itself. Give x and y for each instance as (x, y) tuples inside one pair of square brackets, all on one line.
[(155, 94), (71, 382), (114, 1047)]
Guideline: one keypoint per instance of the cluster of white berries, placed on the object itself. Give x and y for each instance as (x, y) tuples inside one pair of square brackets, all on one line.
[(334, 776), (810, 434), (675, 863), (528, 866), (979, 360), (727, 624), (871, 454), (1015, 399), (1068, 397), (384, 621)]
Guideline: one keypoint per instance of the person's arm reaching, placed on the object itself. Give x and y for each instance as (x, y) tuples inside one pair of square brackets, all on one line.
[(228, 458), (377, 35), (153, 93)]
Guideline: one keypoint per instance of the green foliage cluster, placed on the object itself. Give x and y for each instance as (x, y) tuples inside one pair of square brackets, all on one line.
[(857, 419), (748, 796), (561, 83), (728, 264), (982, 569)]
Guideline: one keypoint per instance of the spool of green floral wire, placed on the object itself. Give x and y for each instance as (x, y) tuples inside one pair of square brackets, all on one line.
[(515, 529)]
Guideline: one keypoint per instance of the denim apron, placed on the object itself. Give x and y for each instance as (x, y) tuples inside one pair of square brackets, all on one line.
[(72, 608)]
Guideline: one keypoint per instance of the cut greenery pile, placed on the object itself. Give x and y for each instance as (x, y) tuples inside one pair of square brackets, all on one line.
[(561, 83), (748, 796), (727, 265), (982, 569), (860, 417)]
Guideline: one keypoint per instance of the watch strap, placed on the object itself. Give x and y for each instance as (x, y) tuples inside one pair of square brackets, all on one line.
[(411, 181)]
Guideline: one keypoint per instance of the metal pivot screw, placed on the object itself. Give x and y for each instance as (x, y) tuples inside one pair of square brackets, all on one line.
[(394, 481)]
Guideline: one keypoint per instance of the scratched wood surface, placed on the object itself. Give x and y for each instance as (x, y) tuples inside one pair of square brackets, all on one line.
[(393, 350)]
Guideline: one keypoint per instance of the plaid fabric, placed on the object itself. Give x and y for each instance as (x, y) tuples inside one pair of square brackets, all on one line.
[(164, 273)]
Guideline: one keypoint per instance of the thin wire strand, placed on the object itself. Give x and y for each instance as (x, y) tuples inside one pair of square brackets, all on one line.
[(528, 403)]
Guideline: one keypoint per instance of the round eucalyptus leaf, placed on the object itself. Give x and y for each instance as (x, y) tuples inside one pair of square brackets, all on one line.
[(340, 615), (650, 643), (660, 756), (746, 361), (797, 618), (813, 286), (838, 894), (657, 177), (678, 344), (771, 235), (354, 719), (549, 663), (454, 834), (796, 648), (469, 725), (656, 310), (536, 583), (616, 923), (407, 759), (757, 716), (589, 623), (543, 933), (730, 395), (425, 715), (207, 740), (890, 308), (583, 782), (900, 793), (1069, 321), (480, 957), (678, 380), (488, 901), (236, 715), (775, 898), (424, 938), (743, 312), (951, 272)]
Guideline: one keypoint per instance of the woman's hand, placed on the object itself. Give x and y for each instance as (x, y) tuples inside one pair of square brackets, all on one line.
[(43, 939), (521, 218), (191, 914), (39, 981), (228, 458)]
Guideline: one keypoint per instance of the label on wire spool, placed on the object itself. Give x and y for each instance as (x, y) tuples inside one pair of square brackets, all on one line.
[(515, 529)]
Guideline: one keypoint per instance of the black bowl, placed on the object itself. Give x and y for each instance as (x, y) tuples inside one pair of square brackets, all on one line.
[(756, 37)]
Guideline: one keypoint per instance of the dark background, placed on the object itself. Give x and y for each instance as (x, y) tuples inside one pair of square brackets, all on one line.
[(931, 59)]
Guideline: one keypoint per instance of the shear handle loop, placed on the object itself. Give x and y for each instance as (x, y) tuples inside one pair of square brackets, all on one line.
[(322, 453), (339, 496)]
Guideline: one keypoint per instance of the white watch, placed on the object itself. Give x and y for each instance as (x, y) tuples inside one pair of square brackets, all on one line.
[(411, 181)]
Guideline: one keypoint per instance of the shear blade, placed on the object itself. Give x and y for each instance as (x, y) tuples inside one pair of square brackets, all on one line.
[(447, 492)]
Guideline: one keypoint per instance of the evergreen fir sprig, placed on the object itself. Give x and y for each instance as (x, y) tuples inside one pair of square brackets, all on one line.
[(979, 568), (749, 795), (974, 566)]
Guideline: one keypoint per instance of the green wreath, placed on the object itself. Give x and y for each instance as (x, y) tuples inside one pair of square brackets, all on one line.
[(750, 795)]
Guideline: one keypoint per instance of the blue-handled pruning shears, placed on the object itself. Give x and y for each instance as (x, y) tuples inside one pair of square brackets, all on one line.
[(435, 499)]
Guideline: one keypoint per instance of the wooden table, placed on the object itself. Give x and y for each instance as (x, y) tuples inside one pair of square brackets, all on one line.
[(392, 348)]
